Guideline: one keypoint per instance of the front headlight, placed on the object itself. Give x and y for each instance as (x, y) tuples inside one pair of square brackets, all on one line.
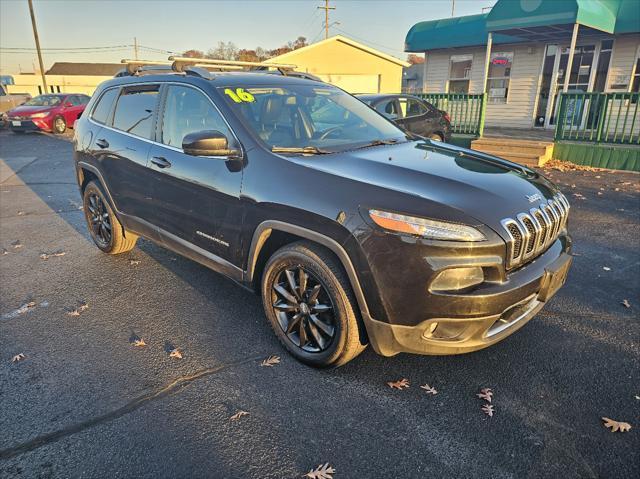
[(40, 115), (431, 229)]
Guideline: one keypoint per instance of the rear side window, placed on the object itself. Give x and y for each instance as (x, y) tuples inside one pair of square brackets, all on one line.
[(103, 108), (134, 111)]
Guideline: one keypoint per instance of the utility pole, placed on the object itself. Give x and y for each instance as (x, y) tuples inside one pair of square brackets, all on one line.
[(453, 7), (35, 34), (326, 9), (135, 48)]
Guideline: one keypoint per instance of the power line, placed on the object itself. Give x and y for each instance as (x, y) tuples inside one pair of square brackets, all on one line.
[(369, 41)]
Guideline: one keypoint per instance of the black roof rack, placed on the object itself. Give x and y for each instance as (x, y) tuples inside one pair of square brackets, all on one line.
[(198, 66)]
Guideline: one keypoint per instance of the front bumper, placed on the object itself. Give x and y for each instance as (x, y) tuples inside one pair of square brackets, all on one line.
[(41, 124), (518, 302)]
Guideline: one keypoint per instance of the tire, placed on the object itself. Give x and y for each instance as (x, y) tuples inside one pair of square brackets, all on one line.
[(59, 125), (106, 232), (436, 136), (341, 320)]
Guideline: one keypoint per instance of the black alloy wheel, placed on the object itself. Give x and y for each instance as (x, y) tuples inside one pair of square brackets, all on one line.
[(304, 309), (99, 220)]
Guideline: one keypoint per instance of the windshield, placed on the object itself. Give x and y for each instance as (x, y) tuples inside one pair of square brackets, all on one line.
[(320, 118), (44, 100)]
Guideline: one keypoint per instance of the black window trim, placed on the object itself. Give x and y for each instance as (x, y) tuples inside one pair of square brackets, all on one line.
[(159, 109), (124, 89), (109, 120)]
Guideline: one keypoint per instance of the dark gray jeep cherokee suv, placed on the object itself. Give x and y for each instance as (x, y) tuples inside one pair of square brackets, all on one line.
[(353, 231)]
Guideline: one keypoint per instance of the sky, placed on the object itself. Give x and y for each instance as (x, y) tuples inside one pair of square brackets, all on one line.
[(106, 29)]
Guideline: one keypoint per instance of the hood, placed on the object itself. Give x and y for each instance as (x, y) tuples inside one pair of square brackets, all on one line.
[(480, 186), (25, 110)]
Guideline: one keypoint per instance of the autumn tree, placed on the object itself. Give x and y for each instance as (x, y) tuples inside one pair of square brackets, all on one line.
[(193, 54), (415, 59)]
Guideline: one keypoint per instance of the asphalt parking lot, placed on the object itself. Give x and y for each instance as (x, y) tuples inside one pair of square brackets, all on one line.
[(85, 402)]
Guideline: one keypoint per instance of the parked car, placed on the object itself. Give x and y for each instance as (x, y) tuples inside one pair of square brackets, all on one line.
[(352, 230), (412, 114), (51, 112), (9, 101)]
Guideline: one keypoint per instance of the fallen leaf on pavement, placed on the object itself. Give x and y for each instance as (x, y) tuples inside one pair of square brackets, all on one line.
[(626, 303), (488, 410), (606, 268), (637, 397), (238, 415), (616, 426), (16, 244), (21, 310), (400, 384), (321, 472), (485, 394), (82, 306), (52, 255), (134, 262), (17, 357), (175, 353), (429, 389), (270, 361), (20, 213), (4, 251), (139, 342)]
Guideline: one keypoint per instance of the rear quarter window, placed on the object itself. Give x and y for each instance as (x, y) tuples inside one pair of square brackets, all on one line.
[(103, 107)]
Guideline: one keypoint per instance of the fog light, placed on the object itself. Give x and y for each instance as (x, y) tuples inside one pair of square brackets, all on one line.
[(458, 278)]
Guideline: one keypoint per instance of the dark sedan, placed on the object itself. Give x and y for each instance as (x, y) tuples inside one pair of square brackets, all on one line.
[(412, 114)]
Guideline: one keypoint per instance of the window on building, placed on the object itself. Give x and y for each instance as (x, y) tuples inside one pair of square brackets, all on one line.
[(460, 73), (134, 110), (500, 65), (635, 82), (602, 68)]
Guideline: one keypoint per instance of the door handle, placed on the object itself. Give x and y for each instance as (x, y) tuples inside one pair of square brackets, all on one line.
[(102, 143), (160, 162)]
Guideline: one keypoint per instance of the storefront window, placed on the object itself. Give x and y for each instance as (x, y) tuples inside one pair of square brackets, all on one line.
[(603, 65), (460, 73), (499, 73), (635, 84)]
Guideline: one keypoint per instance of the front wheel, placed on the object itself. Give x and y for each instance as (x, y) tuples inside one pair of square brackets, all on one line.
[(59, 125), (309, 303), (106, 231)]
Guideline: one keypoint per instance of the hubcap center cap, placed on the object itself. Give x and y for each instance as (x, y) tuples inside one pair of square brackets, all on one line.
[(304, 308)]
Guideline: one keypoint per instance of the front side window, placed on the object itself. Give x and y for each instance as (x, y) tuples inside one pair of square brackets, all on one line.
[(134, 110), (186, 111), (300, 116), (410, 107), (44, 100), (460, 73), (103, 108), (500, 65)]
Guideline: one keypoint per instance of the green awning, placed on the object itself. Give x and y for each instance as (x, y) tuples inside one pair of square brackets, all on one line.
[(451, 32), (514, 21)]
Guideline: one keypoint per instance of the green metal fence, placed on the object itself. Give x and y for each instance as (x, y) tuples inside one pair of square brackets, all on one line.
[(467, 111), (599, 118)]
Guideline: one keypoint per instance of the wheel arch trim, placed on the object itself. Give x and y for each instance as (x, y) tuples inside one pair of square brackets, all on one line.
[(264, 230)]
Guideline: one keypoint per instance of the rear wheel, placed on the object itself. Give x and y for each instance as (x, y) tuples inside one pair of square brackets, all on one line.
[(59, 125), (309, 303), (106, 231)]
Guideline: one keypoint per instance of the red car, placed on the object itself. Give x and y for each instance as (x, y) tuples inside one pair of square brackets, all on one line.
[(51, 112)]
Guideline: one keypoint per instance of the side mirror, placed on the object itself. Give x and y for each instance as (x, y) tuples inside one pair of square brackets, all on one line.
[(207, 143)]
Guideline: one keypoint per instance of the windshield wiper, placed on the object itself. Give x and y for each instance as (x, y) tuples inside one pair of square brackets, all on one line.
[(378, 143), (305, 150)]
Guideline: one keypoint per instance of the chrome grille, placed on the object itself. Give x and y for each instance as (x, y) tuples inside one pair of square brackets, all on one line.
[(533, 232)]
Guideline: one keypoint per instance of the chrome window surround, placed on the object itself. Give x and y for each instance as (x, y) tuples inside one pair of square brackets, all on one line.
[(538, 229)]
